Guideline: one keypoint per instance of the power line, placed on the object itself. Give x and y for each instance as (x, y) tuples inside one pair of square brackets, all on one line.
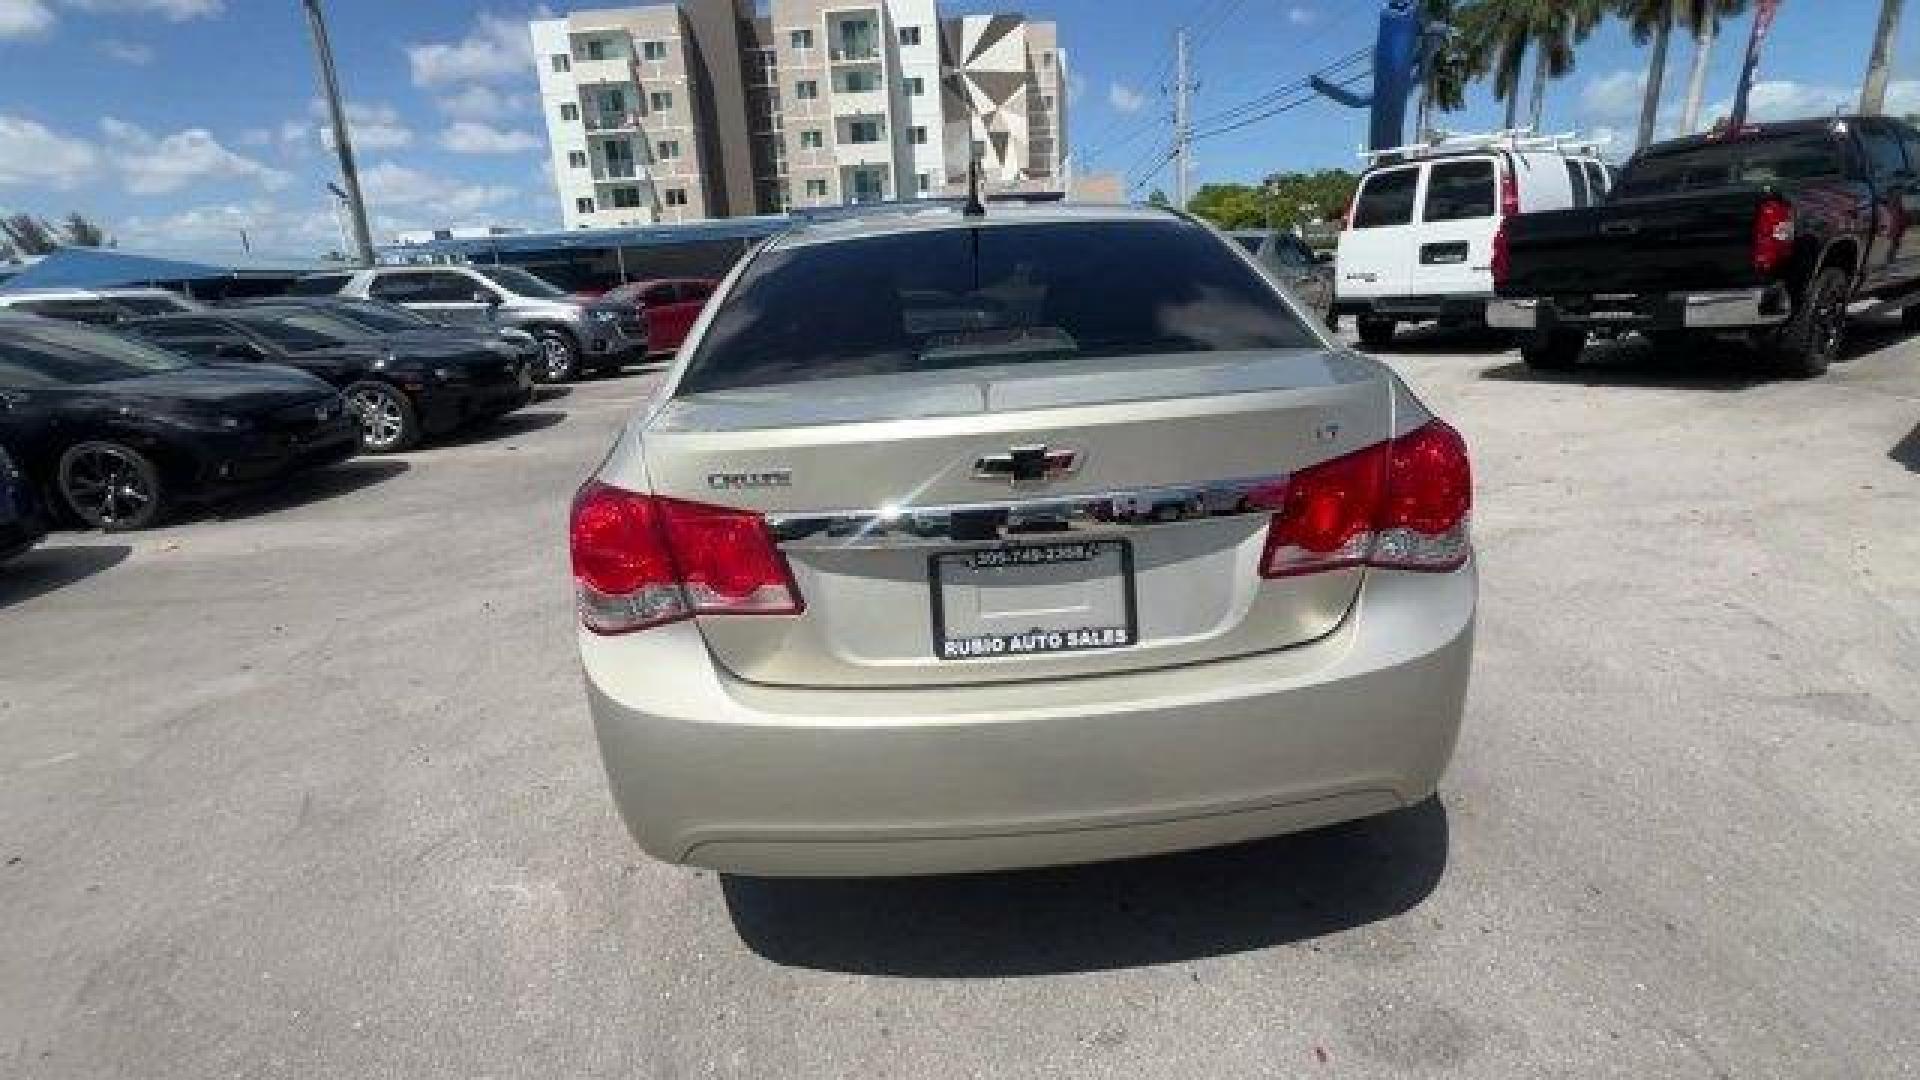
[(1307, 98), (1286, 90)]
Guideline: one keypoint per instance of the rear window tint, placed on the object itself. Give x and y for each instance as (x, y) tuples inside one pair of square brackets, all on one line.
[(319, 285), (1460, 190), (1386, 199), (987, 296), (1792, 155)]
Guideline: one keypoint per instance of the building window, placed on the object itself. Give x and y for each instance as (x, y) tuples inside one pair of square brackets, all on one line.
[(655, 51), (562, 63), (667, 150), (577, 159), (676, 196), (596, 49), (926, 182), (860, 82), (660, 100), (1046, 103), (1046, 59), (916, 86), (917, 136), (570, 112), (863, 131), (806, 90), (801, 39), (816, 189), (626, 198), (909, 35), (584, 206), (811, 140)]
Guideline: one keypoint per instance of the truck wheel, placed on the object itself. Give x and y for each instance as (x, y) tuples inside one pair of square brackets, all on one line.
[(1553, 350), (1809, 340), (1376, 332)]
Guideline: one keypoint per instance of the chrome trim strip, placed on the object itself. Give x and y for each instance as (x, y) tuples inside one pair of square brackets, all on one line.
[(1038, 519)]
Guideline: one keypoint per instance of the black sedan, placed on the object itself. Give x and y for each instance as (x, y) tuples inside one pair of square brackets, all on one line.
[(121, 432), (402, 387), (21, 523), (380, 317)]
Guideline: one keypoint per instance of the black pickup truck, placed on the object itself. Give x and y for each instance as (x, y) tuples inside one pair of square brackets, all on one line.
[(1771, 231)]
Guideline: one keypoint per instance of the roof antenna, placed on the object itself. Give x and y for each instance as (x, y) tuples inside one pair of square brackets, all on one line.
[(974, 207)]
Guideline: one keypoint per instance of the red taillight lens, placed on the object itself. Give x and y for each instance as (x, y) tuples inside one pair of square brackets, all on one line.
[(1772, 235), (641, 561), (1403, 503), (1502, 262), (1509, 194)]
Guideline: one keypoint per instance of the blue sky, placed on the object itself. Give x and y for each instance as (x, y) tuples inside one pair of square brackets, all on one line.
[(181, 122)]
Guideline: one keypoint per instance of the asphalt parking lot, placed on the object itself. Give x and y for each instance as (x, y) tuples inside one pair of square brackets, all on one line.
[(305, 787)]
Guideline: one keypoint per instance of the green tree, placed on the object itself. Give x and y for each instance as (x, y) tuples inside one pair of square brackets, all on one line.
[(1443, 85), (83, 232), (1496, 36), (1158, 198), (1231, 206), (1702, 19), (1651, 20), (25, 234)]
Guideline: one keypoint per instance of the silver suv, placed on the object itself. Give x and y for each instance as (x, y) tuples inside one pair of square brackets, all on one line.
[(574, 336), (1039, 535)]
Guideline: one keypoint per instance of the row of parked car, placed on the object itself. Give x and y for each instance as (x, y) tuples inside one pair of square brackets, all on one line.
[(119, 405)]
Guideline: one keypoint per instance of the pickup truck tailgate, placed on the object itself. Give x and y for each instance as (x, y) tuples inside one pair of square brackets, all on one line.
[(1701, 240)]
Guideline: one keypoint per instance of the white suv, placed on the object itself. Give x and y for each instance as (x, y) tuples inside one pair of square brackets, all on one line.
[(1422, 236)]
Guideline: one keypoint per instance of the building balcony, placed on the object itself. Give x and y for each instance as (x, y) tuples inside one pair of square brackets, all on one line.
[(860, 102), (619, 172), (596, 72), (611, 121), (862, 54), (850, 154)]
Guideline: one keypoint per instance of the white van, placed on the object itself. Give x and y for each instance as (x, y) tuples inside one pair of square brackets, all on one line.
[(1419, 241)]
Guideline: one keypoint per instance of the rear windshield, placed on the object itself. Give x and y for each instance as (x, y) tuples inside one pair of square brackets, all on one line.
[(53, 355), (990, 295), (1386, 198), (1799, 155)]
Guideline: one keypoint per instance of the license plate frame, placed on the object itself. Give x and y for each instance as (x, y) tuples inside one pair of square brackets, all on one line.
[(1063, 641)]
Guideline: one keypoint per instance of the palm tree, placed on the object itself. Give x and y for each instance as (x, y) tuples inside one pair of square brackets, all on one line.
[(1496, 35), (1873, 96), (1651, 19), (1444, 79), (1702, 18)]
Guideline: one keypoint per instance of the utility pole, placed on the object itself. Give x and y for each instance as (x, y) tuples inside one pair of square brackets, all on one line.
[(342, 143), (1873, 95), (1182, 131)]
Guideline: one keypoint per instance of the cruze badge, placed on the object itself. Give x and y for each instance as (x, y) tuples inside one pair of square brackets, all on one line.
[(745, 481), (1028, 465)]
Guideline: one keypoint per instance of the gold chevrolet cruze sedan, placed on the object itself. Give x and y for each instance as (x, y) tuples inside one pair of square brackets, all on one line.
[(964, 538)]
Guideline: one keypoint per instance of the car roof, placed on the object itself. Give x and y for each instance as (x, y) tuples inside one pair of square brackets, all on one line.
[(53, 292), (856, 223)]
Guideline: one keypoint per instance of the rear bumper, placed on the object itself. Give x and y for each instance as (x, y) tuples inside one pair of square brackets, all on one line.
[(1465, 307), (1715, 309), (710, 771)]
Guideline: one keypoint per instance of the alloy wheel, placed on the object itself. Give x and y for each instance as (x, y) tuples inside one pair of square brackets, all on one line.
[(107, 486), (558, 358), (381, 422)]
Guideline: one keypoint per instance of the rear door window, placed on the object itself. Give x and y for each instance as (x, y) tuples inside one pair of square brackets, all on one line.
[(1460, 191), (1577, 179), (987, 296), (423, 288), (319, 285), (1884, 155), (1386, 198), (1793, 154)]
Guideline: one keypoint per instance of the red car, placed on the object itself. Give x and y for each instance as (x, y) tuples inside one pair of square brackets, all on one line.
[(669, 305)]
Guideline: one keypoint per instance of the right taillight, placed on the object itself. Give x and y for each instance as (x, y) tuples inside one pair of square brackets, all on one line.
[(1502, 261), (642, 561), (1772, 235), (1404, 504)]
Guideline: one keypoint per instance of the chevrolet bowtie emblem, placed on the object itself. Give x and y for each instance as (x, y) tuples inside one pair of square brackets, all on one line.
[(1028, 465)]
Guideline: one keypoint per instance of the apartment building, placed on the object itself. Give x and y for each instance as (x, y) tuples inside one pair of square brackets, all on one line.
[(710, 108)]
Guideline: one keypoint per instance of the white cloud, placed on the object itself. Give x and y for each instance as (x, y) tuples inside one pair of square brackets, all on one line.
[(1125, 98), (1784, 99), (128, 52), (389, 184), (1616, 95), (479, 102), (375, 126), (473, 137), (24, 18), (30, 153), (172, 10), (269, 225), (1301, 15), (155, 166), (493, 50)]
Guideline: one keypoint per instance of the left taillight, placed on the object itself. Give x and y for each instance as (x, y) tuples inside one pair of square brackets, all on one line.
[(1773, 235), (1404, 504), (641, 561)]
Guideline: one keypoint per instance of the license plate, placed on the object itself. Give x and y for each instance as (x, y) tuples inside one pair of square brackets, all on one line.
[(1033, 599), (1613, 315)]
